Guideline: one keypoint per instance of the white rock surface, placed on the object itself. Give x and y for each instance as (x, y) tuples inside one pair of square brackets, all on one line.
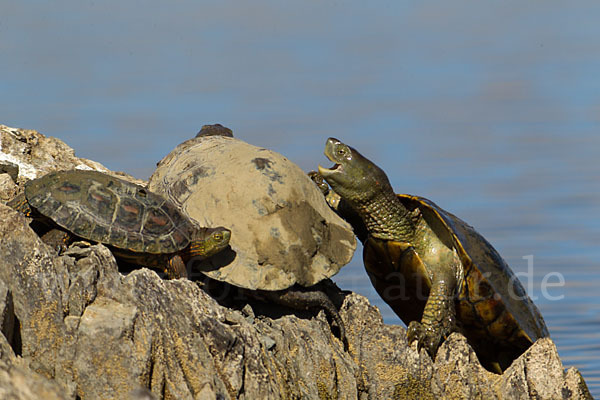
[(36, 155)]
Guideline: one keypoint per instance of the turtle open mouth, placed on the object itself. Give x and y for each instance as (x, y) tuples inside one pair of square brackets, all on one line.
[(328, 171), (330, 154)]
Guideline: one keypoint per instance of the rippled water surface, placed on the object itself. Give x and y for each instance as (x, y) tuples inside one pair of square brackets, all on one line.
[(490, 110)]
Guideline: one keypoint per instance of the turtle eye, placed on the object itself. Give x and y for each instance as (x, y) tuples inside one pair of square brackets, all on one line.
[(342, 151), (218, 236)]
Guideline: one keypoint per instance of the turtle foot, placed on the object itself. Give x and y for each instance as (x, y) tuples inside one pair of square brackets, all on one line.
[(429, 338), (319, 181), (332, 198)]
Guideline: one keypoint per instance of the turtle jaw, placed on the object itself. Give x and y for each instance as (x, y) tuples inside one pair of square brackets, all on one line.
[(326, 172), (334, 156)]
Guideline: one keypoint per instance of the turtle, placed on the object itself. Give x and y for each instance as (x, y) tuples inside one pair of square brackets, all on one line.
[(438, 274), (139, 226), (288, 242)]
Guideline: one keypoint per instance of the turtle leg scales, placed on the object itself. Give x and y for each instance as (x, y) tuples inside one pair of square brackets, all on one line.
[(176, 268), (438, 321)]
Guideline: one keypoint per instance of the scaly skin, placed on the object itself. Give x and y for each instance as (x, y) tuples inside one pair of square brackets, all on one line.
[(365, 188)]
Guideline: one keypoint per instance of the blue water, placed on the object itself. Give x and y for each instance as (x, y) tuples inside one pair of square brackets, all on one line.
[(490, 109)]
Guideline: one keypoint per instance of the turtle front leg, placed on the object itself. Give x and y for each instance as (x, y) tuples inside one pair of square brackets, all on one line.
[(439, 315), (176, 268), (340, 206), (331, 197)]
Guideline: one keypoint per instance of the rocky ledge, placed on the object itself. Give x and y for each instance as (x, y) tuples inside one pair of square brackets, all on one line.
[(75, 326)]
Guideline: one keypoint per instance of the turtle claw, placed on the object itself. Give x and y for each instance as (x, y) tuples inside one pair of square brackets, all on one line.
[(331, 197), (428, 338), (414, 332), (319, 181)]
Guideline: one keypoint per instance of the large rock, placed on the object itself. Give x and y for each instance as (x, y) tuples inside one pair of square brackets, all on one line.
[(27, 154), (100, 334), (283, 232), (20, 383), (74, 326)]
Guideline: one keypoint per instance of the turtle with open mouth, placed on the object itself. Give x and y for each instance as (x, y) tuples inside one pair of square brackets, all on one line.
[(434, 270)]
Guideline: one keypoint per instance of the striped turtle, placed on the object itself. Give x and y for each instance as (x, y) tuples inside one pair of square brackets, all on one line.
[(139, 226), (434, 270)]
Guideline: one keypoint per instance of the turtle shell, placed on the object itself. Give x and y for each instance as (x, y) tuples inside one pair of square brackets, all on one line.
[(492, 307), (285, 233), (99, 207)]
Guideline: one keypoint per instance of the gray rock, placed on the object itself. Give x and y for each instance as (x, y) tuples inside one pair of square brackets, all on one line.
[(33, 155), (30, 274), (539, 374), (283, 231), (8, 188), (9, 168), (20, 383), (74, 326)]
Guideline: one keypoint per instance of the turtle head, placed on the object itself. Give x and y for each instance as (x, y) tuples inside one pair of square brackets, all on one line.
[(209, 241), (353, 177)]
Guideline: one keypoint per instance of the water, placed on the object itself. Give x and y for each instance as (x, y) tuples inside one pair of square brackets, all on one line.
[(492, 110)]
